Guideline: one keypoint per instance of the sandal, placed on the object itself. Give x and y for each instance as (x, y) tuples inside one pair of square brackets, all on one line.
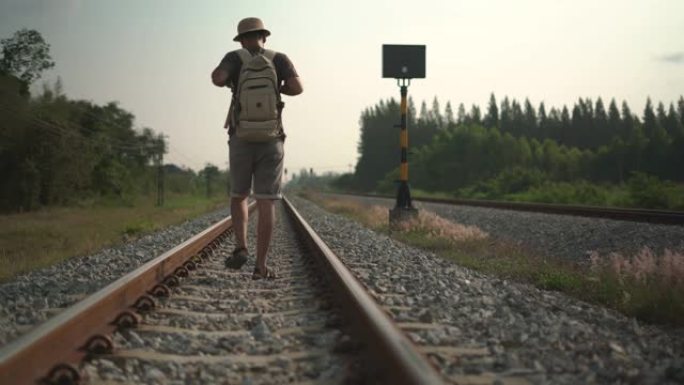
[(257, 274), (237, 259)]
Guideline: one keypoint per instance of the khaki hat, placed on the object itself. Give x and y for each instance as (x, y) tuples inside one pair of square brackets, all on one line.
[(250, 24)]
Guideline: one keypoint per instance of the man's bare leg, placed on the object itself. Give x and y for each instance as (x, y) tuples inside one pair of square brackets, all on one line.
[(238, 210), (265, 225)]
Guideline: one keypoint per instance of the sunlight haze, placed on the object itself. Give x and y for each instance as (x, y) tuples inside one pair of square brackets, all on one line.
[(155, 57)]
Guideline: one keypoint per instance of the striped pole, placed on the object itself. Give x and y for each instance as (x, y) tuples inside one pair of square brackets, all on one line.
[(404, 194)]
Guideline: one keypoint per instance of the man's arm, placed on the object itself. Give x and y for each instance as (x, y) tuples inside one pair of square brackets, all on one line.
[(219, 77), (292, 86)]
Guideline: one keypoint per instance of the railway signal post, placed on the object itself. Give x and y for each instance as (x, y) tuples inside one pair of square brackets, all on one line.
[(403, 63)]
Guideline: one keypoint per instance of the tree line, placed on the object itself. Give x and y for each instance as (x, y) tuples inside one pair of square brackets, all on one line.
[(54, 150), (467, 151)]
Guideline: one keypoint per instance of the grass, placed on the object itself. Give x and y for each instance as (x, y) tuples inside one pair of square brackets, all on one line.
[(30, 241), (647, 286)]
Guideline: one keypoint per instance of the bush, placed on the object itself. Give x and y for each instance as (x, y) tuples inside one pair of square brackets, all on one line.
[(648, 191), (580, 192), (510, 181)]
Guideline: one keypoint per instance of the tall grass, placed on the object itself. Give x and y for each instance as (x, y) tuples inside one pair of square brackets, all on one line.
[(38, 239), (646, 285)]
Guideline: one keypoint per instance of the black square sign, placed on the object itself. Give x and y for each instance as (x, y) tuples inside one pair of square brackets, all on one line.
[(403, 61)]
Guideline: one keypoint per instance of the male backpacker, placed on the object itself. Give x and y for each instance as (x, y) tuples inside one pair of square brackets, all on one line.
[(257, 77)]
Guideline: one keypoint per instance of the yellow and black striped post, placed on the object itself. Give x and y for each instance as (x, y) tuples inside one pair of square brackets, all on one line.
[(403, 209)]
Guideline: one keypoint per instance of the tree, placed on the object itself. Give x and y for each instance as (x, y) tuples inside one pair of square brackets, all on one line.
[(672, 125), (491, 119), (505, 116), (602, 132), (650, 121), (25, 55), (209, 173), (518, 119), (628, 119), (449, 114), (462, 116), (530, 119), (543, 122), (614, 121), (475, 117), (424, 113), (565, 127), (436, 114)]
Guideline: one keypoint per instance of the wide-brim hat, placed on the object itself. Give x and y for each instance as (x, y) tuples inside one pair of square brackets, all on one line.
[(250, 24)]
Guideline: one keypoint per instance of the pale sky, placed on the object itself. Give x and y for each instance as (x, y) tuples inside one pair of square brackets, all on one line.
[(154, 57)]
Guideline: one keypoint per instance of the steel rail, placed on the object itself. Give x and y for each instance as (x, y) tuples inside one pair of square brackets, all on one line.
[(666, 217), (397, 355), (62, 340)]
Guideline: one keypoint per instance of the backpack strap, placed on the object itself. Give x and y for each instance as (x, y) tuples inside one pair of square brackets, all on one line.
[(245, 55), (270, 54)]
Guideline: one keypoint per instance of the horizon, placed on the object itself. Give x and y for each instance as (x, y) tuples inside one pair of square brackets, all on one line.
[(155, 58)]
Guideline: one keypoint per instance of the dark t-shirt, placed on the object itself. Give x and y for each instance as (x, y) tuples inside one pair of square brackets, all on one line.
[(232, 64)]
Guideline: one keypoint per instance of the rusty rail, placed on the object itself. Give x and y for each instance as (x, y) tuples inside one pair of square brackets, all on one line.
[(50, 352), (397, 355)]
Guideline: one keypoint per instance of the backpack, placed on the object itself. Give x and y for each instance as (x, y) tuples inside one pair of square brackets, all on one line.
[(256, 99)]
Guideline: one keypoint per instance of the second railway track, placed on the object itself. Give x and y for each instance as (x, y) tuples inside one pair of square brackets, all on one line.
[(666, 217)]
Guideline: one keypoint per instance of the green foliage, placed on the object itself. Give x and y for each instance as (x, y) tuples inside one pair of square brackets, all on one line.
[(25, 55), (558, 280), (344, 182), (510, 181), (137, 227), (649, 191), (578, 192), (212, 179), (584, 156), (58, 151), (306, 179), (388, 184), (379, 145)]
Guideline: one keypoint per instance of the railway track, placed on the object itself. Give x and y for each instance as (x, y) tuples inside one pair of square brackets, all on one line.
[(183, 317), (636, 215)]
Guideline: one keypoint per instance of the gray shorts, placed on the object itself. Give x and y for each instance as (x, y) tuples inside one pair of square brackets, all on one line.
[(258, 166)]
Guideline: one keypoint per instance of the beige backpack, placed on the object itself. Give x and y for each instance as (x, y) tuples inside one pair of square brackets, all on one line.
[(256, 99)]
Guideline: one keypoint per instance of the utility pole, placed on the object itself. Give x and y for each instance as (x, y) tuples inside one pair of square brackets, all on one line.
[(158, 159), (207, 177), (159, 163)]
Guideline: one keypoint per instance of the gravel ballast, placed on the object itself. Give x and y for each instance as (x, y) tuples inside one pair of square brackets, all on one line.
[(529, 335), (34, 297), (219, 326), (554, 235)]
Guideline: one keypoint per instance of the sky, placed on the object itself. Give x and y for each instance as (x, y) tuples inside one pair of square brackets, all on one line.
[(154, 58)]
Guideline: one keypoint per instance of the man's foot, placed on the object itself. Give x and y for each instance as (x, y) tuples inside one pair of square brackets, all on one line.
[(237, 259), (264, 273)]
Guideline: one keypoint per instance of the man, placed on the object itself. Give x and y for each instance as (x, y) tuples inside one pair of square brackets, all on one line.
[(257, 163)]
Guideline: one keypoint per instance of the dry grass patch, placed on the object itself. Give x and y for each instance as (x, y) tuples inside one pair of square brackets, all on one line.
[(647, 286), (34, 240)]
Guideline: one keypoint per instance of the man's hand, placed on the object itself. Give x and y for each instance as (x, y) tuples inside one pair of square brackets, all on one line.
[(219, 77), (292, 87)]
